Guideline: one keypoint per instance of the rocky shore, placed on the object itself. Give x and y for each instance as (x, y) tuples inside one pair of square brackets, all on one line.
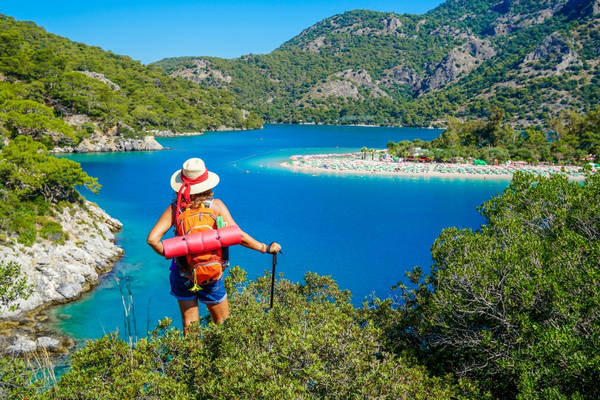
[(109, 143), (167, 133), (58, 273)]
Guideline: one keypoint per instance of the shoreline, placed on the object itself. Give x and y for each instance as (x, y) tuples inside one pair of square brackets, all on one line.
[(354, 164), (109, 143), (58, 274), (356, 125), (169, 134)]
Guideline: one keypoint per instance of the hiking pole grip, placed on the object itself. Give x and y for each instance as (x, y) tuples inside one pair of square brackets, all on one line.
[(273, 279)]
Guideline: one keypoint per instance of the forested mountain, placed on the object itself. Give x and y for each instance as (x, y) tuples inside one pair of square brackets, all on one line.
[(59, 91), (532, 58)]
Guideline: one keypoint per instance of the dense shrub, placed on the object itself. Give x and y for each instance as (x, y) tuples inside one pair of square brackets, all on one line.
[(515, 304), (17, 381), (312, 344)]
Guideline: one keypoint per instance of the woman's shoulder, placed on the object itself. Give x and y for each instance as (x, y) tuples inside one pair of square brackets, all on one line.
[(217, 202), (219, 206)]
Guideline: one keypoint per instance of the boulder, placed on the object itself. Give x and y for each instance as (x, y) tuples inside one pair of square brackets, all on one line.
[(22, 344), (48, 343), (69, 290)]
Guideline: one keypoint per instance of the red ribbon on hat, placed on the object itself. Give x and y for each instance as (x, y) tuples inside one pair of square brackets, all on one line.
[(185, 190)]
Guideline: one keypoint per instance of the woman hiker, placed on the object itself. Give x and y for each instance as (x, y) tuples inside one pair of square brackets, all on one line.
[(195, 208)]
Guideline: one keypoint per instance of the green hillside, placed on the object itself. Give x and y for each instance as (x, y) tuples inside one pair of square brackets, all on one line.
[(46, 80), (533, 59)]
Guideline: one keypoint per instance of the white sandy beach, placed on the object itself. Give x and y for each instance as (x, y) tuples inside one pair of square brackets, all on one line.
[(353, 163)]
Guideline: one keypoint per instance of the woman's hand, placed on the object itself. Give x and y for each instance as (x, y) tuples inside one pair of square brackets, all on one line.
[(274, 248)]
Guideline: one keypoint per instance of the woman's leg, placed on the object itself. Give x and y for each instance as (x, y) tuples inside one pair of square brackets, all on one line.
[(219, 312), (189, 312)]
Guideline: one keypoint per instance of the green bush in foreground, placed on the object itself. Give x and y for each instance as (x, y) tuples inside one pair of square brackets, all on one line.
[(312, 344), (516, 304), (16, 380)]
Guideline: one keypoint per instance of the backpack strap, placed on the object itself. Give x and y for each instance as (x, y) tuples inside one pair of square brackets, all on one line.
[(173, 214)]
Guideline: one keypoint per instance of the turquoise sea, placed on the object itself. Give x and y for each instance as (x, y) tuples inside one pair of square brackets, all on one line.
[(365, 231)]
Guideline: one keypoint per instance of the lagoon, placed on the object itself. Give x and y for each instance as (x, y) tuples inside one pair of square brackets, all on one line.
[(364, 231)]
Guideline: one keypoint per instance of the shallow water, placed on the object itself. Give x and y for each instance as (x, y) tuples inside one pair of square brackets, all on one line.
[(365, 231)]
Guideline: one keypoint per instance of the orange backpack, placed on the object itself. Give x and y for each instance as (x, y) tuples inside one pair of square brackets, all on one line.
[(206, 266)]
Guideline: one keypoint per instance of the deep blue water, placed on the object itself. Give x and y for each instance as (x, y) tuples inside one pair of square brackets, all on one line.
[(365, 231)]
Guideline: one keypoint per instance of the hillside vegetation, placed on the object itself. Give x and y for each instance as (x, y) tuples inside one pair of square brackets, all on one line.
[(533, 59), (58, 92)]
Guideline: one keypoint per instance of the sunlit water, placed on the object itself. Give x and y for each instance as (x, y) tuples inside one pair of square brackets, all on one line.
[(365, 231)]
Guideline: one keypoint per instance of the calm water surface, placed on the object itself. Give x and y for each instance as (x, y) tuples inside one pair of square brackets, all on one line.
[(365, 231)]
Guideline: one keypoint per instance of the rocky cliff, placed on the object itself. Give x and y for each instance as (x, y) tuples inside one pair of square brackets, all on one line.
[(58, 272)]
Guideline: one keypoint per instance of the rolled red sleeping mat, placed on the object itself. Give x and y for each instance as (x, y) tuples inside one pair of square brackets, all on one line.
[(202, 241), (175, 247), (230, 236)]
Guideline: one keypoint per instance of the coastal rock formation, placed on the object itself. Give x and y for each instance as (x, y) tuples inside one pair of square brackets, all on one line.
[(115, 139), (61, 272), (99, 142), (169, 133), (58, 272), (24, 342)]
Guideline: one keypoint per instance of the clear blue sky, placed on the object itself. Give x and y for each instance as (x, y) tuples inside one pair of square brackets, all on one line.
[(150, 30)]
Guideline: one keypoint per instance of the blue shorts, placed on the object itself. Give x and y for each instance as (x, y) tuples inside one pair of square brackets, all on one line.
[(211, 294)]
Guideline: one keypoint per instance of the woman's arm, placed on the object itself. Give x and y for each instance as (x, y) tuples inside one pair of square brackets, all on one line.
[(161, 227), (247, 240)]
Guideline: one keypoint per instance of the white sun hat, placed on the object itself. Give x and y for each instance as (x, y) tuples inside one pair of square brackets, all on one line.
[(194, 168)]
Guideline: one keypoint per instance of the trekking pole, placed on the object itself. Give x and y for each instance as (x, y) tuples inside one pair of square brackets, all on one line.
[(273, 279)]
